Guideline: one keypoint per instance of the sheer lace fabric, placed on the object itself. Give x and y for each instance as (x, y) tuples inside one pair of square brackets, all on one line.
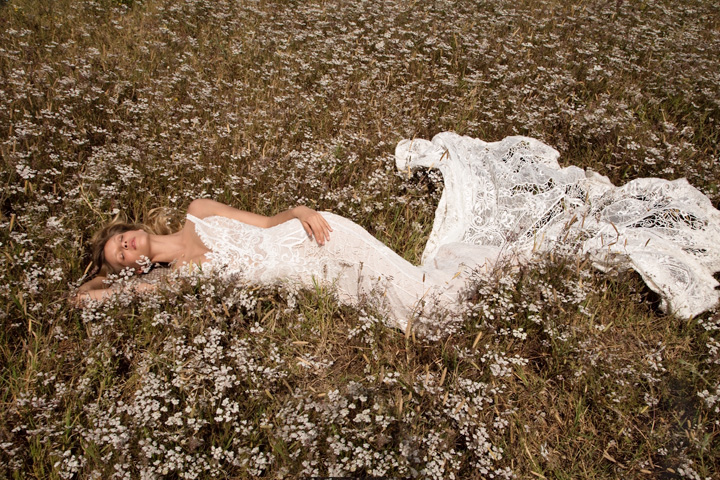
[(353, 262), (514, 196)]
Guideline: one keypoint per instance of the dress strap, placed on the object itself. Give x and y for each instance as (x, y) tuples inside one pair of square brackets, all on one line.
[(195, 219), (201, 228)]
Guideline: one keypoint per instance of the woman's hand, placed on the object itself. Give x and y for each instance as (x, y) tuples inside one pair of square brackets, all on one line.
[(86, 293), (83, 295), (314, 224), (93, 289)]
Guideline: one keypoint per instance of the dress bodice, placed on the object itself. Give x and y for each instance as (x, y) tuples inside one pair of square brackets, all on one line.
[(252, 251)]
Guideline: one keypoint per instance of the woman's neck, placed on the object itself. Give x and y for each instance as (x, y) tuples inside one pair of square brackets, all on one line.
[(167, 248)]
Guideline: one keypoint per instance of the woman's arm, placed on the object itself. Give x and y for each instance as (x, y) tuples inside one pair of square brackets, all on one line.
[(93, 289), (93, 284), (314, 224), (96, 289), (94, 294)]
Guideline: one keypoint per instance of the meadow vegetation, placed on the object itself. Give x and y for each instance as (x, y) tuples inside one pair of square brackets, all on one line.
[(558, 371)]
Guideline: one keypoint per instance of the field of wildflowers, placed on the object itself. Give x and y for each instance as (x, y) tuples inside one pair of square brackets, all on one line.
[(559, 371)]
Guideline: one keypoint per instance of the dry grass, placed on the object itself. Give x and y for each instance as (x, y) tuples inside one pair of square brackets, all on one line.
[(558, 372)]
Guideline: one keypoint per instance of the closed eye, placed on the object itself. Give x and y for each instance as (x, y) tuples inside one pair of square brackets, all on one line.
[(122, 255)]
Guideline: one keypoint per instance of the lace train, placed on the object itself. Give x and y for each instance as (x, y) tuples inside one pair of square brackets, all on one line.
[(513, 195)]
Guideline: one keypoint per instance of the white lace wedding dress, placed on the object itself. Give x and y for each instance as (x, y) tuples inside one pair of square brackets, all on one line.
[(353, 262), (502, 199)]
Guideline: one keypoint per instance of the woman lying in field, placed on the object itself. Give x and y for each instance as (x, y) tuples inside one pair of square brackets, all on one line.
[(507, 199), (294, 246)]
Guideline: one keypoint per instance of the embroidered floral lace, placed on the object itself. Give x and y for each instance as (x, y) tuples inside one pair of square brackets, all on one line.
[(354, 262), (513, 195)]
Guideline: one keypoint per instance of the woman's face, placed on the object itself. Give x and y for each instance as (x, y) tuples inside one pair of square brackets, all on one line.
[(126, 249)]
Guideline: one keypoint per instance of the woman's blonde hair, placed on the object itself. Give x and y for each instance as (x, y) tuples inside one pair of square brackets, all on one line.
[(158, 221)]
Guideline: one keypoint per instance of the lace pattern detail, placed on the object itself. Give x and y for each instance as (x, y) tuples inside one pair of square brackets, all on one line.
[(250, 251), (353, 262), (514, 195)]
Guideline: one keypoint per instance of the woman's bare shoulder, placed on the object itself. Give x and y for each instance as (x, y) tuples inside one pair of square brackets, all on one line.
[(203, 207)]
